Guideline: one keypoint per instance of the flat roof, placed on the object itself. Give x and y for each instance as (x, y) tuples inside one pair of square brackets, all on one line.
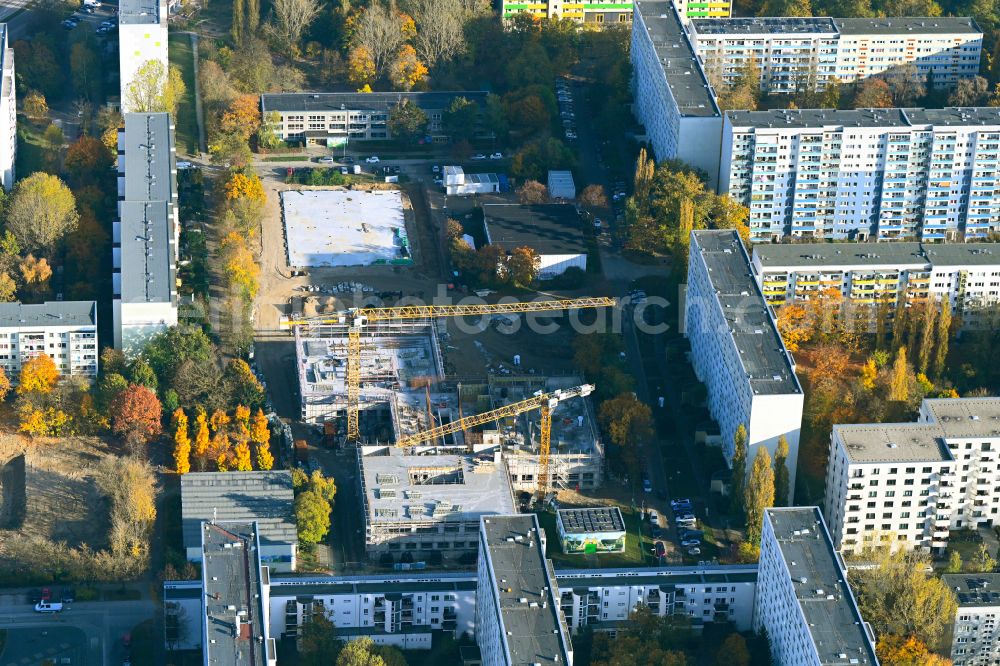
[(937, 25), (979, 589), (49, 313), (147, 221), (817, 118), (764, 25), (962, 116), (400, 488), (762, 352), (963, 254), (683, 72), (266, 498), (140, 11), (821, 588), (780, 255), (533, 630), (374, 584), (546, 228), (234, 614), (965, 417), (591, 520), (376, 101)]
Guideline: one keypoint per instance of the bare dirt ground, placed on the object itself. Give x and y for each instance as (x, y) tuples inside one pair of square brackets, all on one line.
[(49, 490)]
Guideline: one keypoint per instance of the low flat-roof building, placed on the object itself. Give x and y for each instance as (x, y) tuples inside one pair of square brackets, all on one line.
[(266, 498), (235, 622), (517, 610), (333, 119), (416, 505), (591, 530), (974, 639), (554, 231), (65, 330), (457, 183), (561, 185), (736, 350), (803, 599)]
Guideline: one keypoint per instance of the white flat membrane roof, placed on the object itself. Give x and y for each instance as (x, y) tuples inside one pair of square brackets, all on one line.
[(343, 228)]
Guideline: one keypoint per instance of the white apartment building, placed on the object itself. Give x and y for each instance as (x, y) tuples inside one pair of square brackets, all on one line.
[(912, 483), (805, 603), (587, 12), (517, 610), (673, 99), (145, 235), (866, 174), (974, 637), (966, 274), (795, 53), (8, 112), (65, 330), (736, 350), (142, 36), (336, 119)]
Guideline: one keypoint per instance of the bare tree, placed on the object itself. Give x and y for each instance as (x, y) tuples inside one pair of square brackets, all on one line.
[(292, 17), (905, 84), (380, 31), (439, 29), (970, 92)]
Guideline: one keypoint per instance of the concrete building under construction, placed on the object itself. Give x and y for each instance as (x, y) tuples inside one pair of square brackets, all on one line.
[(393, 357)]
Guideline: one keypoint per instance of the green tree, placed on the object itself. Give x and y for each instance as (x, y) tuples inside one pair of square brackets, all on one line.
[(318, 641), (459, 119), (42, 212), (758, 494), (312, 516), (954, 562), (782, 486), (983, 562), (86, 69), (407, 122), (739, 466), (239, 22), (167, 351), (142, 374)]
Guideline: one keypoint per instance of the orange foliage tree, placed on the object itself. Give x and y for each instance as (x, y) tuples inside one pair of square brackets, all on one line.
[(182, 442), (201, 438), (245, 186), (38, 375), (242, 117), (136, 414), (793, 325), (895, 650), (260, 435)]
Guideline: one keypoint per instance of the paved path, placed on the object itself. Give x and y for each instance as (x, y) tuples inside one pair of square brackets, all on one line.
[(198, 111)]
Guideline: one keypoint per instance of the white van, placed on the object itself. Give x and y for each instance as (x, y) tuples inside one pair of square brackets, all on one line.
[(48, 607), (92, 3)]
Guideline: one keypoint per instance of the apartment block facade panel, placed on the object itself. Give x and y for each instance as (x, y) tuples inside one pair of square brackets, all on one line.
[(66, 331), (8, 112), (974, 637), (795, 54), (736, 350), (910, 484), (590, 12), (869, 174)]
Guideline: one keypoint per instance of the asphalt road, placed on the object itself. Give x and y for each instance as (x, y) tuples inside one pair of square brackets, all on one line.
[(96, 626)]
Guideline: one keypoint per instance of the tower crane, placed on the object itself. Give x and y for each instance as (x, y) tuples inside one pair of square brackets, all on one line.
[(357, 318), (546, 402)]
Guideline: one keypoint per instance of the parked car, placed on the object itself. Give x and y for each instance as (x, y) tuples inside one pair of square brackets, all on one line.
[(69, 24), (684, 517), (694, 551), (344, 170), (678, 502), (185, 165), (372, 160), (326, 160), (435, 169), (496, 156), (690, 542), (48, 607), (654, 518), (647, 486), (347, 159), (660, 549), (68, 595), (479, 156)]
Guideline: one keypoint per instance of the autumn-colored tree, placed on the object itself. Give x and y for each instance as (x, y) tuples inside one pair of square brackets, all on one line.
[(221, 450), (4, 385), (260, 435), (8, 288), (240, 267), (242, 385), (739, 466), (136, 414), (47, 422), (522, 266), (899, 381), (594, 196), (626, 419), (246, 186), (407, 70), (219, 421), (793, 325), (360, 66), (35, 107), (241, 453), (182, 442), (201, 437), (869, 372), (927, 329), (943, 337), (87, 158), (38, 375), (42, 211), (758, 494), (35, 274), (734, 652), (532, 192), (893, 650), (242, 117), (873, 94)]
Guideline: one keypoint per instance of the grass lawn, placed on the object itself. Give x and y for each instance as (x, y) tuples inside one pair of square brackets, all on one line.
[(287, 158), (637, 545), (30, 152), (182, 57)]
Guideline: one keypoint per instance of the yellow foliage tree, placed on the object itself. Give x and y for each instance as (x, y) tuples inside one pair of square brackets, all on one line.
[(38, 375), (869, 372), (407, 70), (895, 650), (260, 433), (240, 266), (360, 66), (219, 421), (242, 454), (4, 385), (182, 442), (48, 422), (793, 326), (246, 186), (201, 434)]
